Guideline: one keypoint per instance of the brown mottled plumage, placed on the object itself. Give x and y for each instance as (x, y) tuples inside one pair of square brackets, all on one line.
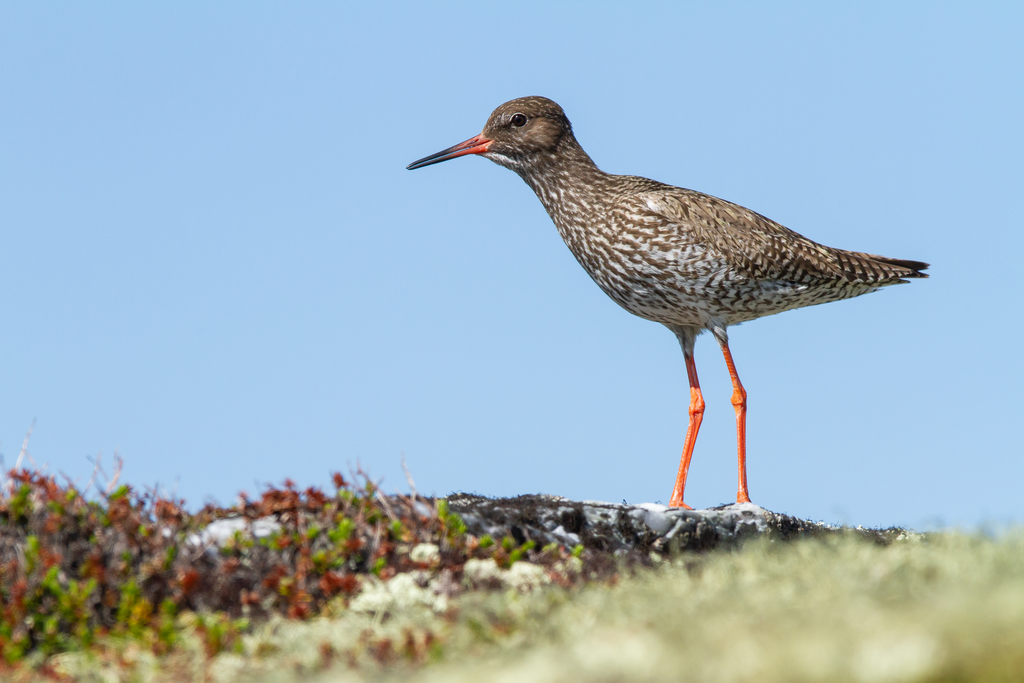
[(688, 260)]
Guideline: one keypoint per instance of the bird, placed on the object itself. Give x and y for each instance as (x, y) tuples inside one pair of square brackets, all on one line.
[(682, 258)]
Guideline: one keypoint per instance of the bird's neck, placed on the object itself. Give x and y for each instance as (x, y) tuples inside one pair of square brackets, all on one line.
[(567, 182)]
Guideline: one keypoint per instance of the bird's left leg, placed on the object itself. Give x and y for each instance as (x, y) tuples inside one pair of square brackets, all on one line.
[(739, 402), (687, 336)]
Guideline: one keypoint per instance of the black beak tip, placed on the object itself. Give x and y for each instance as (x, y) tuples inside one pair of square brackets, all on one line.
[(427, 161)]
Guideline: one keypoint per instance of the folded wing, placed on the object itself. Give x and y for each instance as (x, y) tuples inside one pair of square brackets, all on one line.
[(764, 250)]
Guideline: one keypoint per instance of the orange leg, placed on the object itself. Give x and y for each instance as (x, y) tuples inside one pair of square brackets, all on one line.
[(696, 415), (739, 402)]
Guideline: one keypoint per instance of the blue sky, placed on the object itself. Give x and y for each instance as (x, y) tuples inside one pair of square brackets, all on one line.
[(216, 264)]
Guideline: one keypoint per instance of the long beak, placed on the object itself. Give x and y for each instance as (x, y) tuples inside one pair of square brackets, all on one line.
[(477, 145)]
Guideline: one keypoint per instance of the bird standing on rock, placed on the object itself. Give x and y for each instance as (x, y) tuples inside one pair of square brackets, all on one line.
[(687, 260)]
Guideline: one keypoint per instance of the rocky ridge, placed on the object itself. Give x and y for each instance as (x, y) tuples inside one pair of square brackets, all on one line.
[(623, 528)]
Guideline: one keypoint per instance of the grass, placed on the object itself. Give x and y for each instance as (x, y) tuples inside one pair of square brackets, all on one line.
[(947, 607)]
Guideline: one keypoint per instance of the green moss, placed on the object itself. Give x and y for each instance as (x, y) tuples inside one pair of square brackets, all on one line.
[(452, 524), (518, 553), (322, 561), (167, 632), (169, 555), (133, 611), (342, 531), (19, 505), (31, 553), (121, 491)]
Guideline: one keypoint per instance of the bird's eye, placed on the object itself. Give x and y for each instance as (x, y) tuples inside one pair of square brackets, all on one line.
[(518, 120)]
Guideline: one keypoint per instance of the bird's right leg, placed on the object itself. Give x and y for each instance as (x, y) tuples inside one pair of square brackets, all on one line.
[(687, 336)]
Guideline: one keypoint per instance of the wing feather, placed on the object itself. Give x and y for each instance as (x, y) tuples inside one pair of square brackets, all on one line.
[(764, 250)]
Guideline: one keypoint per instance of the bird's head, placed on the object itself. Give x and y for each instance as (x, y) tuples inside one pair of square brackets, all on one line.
[(516, 134)]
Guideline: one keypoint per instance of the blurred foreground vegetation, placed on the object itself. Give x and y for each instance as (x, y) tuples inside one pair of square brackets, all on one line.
[(945, 608), (355, 588)]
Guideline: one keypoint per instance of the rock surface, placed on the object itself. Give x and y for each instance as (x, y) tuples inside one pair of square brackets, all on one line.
[(622, 528)]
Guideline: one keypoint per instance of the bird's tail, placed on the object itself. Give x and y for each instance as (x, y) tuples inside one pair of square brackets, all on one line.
[(880, 270), (914, 268)]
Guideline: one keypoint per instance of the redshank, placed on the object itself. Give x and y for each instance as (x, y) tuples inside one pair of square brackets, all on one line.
[(687, 260)]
